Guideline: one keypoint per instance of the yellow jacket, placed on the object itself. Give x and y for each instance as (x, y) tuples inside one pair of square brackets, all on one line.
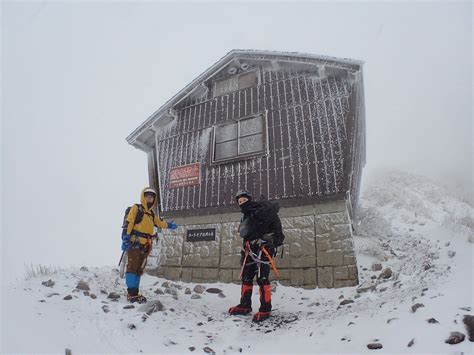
[(148, 223)]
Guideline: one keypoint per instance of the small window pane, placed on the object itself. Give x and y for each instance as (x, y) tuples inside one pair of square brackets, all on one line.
[(251, 144), (226, 150), (251, 126), (226, 133), (247, 80), (224, 86)]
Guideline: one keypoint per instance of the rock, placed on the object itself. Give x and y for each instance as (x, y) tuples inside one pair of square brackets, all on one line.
[(151, 307), (165, 284), (416, 306), (113, 296), (191, 348), (187, 291), (376, 267), (383, 289), (366, 286), (374, 346), (467, 309), (451, 253), (426, 266), (386, 274), (176, 286), (208, 350), (350, 323), (104, 292), (105, 308), (341, 297), (195, 297), (131, 326), (410, 344), (86, 293), (221, 295), (432, 321), (314, 304), (391, 320), (83, 268), (93, 296), (52, 294), (274, 285), (199, 289), (158, 291), (129, 306), (343, 303), (214, 290), (373, 277), (447, 244), (82, 285), (49, 283), (67, 298), (468, 321), (455, 338)]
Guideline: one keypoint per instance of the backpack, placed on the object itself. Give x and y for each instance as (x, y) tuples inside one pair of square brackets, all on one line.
[(138, 217), (266, 220)]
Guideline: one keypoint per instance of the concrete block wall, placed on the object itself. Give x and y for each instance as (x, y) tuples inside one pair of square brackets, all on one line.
[(318, 250)]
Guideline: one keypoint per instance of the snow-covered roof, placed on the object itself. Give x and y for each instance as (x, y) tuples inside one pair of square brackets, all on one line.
[(264, 55)]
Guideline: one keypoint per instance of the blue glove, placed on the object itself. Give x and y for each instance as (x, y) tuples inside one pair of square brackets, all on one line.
[(172, 225), (126, 242)]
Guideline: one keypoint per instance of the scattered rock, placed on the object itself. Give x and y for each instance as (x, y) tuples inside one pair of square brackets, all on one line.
[(195, 297), (105, 308), (383, 289), (373, 277), (129, 306), (192, 348), (151, 307), (131, 326), (93, 296), (199, 289), (374, 346), (390, 320), (49, 283), (52, 294), (350, 323), (187, 291), (274, 286), (376, 267), (426, 266), (104, 292), (221, 295), (468, 321), (341, 297), (314, 304), (86, 293), (366, 286), (113, 296), (42, 301), (447, 244), (158, 291), (200, 324), (67, 298), (451, 253), (416, 306), (165, 284), (83, 268), (214, 290), (343, 303), (410, 344), (386, 274), (82, 285), (208, 350), (455, 338), (467, 309), (432, 321), (176, 286)]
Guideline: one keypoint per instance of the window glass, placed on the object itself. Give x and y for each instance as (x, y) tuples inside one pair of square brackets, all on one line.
[(251, 126), (251, 144), (226, 150), (226, 133)]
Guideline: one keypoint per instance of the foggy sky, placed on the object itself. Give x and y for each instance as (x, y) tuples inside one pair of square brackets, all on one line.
[(78, 77)]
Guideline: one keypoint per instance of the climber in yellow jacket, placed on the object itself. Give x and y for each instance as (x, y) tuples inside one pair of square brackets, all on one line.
[(137, 240)]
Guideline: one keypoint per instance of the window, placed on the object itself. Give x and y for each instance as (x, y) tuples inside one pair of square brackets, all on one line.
[(234, 83), (239, 139)]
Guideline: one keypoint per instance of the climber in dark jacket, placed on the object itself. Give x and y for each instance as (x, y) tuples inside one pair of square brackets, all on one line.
[(255, 260)]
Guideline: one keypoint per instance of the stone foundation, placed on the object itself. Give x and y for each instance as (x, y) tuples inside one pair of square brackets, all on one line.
[(318, 249)]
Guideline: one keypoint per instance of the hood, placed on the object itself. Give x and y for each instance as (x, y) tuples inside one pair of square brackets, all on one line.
[(143, 201)]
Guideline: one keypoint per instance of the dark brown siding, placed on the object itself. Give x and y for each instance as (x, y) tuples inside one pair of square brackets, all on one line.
[(310, 127)]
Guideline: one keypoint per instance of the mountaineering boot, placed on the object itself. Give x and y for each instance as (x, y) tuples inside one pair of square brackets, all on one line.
[(265, 298), (134, 296), (245, 305), (261, 316)]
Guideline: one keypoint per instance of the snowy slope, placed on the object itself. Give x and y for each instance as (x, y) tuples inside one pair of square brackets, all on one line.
[(406, 223)]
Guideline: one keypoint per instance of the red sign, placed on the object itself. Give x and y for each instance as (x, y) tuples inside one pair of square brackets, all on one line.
[(186, 175)]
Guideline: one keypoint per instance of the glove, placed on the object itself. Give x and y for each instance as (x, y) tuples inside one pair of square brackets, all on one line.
[(172, 225), (126, 242)]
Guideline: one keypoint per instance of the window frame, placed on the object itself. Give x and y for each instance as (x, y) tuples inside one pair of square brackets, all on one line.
[(214, 82), (240, 157)]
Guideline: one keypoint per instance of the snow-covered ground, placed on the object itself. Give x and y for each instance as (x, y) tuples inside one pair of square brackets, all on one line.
[(406, 223)]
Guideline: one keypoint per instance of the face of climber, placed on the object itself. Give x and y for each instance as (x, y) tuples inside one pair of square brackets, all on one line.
[(149, 197), (242, 200)]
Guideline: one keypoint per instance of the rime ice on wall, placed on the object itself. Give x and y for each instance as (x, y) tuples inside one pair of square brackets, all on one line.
[(310, 131)]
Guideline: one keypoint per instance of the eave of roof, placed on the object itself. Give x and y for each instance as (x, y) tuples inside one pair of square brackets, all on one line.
[(233, 54)]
